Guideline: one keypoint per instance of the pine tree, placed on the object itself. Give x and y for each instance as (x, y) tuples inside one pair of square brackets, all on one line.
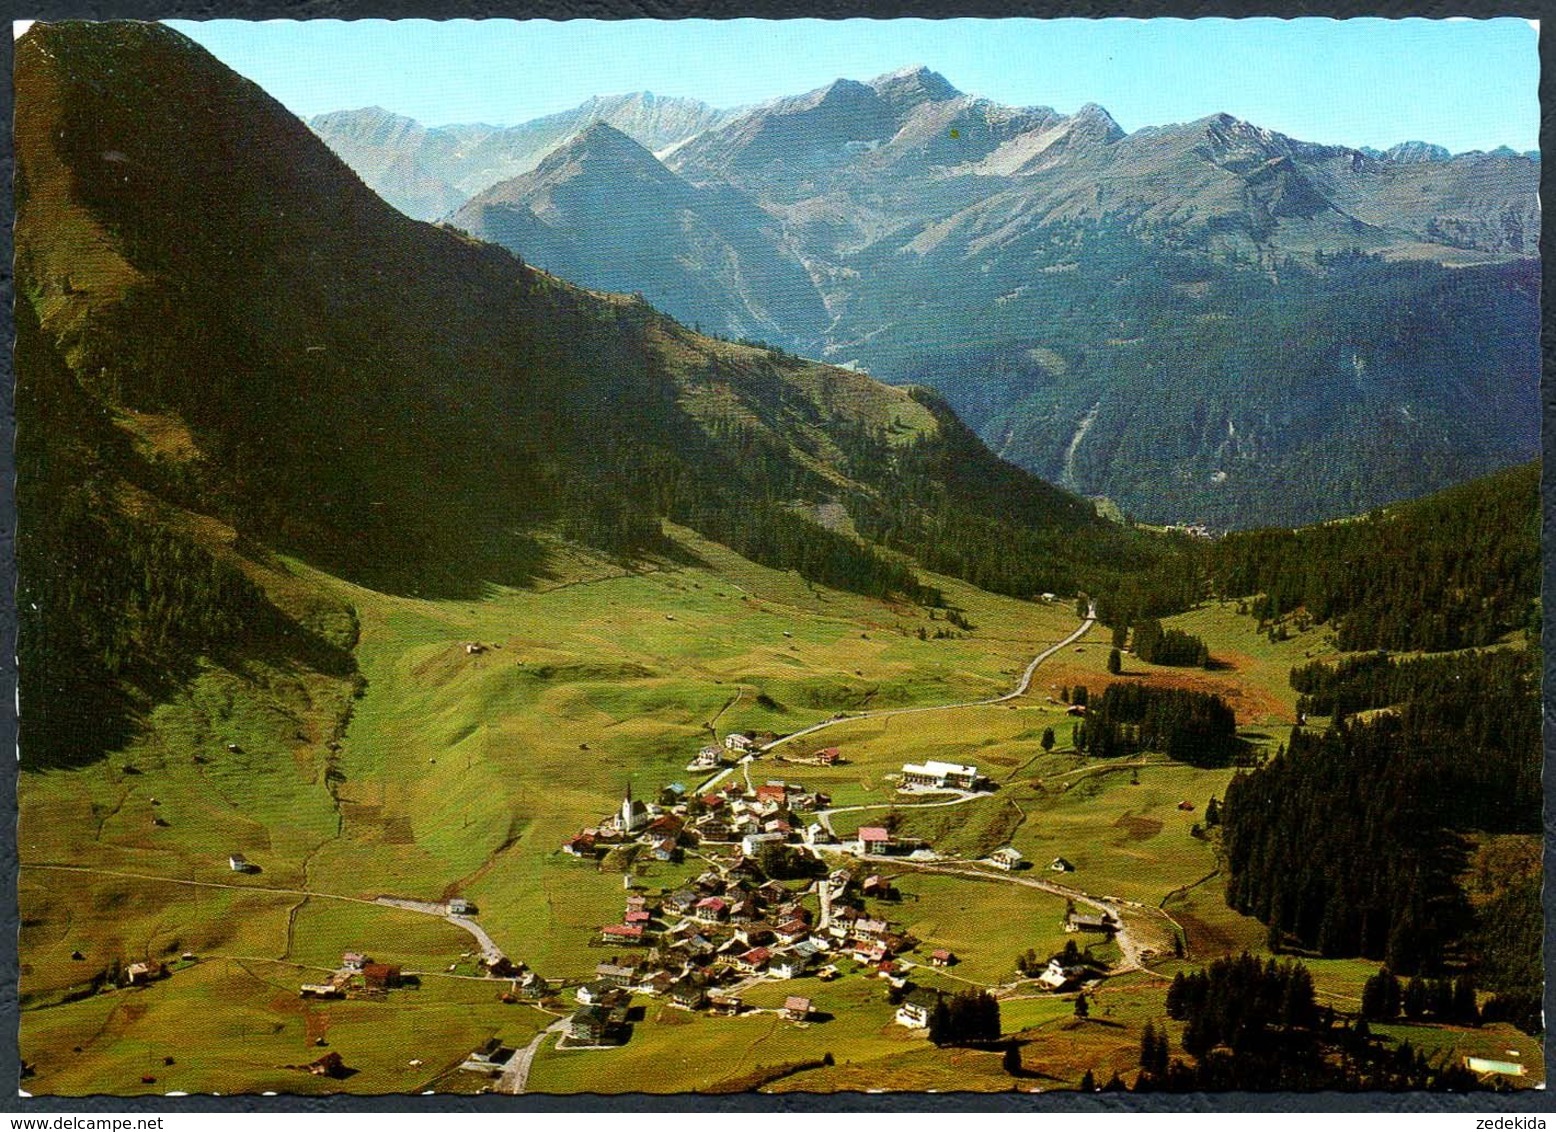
[(1115, 663), (1465, 1011), (1082, 1008), (1088, 1082), (1048, 739)]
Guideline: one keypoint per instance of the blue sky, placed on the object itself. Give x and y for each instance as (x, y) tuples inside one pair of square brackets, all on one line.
[(1465, 84)]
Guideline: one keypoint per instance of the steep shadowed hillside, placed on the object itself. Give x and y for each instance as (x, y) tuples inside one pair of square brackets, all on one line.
[(265, 347)]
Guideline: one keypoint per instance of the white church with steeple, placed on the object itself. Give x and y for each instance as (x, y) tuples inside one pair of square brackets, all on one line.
[(633, 816)]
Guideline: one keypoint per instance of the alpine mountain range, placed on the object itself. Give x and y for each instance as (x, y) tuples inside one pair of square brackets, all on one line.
[(1206, 322)]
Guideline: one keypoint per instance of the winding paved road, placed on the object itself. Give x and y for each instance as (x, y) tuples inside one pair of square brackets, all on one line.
[(825, 816), (488, 948), (1020, 690), (515, 1075)]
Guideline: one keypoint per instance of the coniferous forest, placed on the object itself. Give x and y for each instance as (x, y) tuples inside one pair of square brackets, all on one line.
[(1251, 1024), (1192, 727), (1455, 570), (1172, 646)]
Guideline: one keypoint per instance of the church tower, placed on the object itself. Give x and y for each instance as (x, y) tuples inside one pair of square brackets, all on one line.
[(633, 814)]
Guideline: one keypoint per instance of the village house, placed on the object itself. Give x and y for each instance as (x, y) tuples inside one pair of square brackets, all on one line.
[(791, 931), (688, 994), (828, 756), (615, 973), (321, 990), (712, 910), (622, 933), (709, 758), (738, 743), (1056, 976), (877, 886), (380, 976), (871, 928), (941, 776), (916, 1009), (720, 1002), (330, 1065), (1007, 857), (601, 992), (796, 1008), (1061, 865), (751, 842), (873, 840), (657, 984), (588, 1025), (744, 911), (940, 957), (869, 951), (459, 906), (581, 845), (665, 825), (790, 964), (819, 834), (774, 891), (1104, 923), (137, 974), (666, 849), (754, 960), (354, 960), (488, 1059), (755, 933), (238, 863)]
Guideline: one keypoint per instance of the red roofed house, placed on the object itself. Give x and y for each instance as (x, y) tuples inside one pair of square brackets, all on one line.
[(796, 1008), (874, 839), (713, 909), (772, 792), (755, 959), (827, 756), (792, 931), (940, 957), (622, 933)]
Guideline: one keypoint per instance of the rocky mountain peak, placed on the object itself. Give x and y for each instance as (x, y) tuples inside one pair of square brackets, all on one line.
[(912, 85), (1416, 152)]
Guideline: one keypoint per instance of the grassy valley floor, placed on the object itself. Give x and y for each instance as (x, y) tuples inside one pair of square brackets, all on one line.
[(489, 731)]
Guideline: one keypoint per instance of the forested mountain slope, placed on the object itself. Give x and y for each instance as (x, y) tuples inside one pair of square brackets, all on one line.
[(304, 366)]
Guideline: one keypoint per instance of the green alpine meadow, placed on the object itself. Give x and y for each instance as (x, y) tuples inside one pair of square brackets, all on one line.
[(879, 589)]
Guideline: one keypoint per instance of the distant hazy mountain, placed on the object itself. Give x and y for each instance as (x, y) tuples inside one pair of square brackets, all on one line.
[(428, 172), (601, 211), (1188, 318)]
